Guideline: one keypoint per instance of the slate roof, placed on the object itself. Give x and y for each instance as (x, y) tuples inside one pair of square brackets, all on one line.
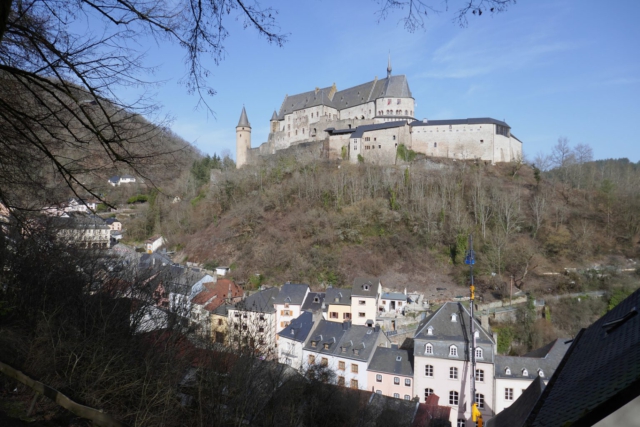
[(474, 121), (180, 280), (360, 130), (398, 296), (385, 360), (326, 332), (365, 286), (110, 221), (244, 120), (153, 259), (360, 338), (223, 310), (80, 221), (516, 414), (338, 296), (310, 303), (599, 374), (299, 328), (260, 302), (114, 179), (345, 336), (292, 293), (546, 358), (446, 333), (392, 87)]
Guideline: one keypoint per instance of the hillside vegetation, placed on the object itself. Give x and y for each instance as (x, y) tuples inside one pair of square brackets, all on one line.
[(327, 222)]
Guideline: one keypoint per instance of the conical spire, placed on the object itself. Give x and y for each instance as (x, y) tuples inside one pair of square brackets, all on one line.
[(389, 66), (274, 116), (244, 121)]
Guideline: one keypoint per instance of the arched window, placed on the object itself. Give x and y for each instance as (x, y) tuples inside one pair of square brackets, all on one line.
[(507, 371), (430, 330), (427, 392), (428, 371), (525, 373), (428, 349), (453, 351), (480, 400), (453, 398), (540, 373), (478, 353)]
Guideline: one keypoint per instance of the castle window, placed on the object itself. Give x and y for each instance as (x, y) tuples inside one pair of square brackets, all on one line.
[(394, 137), (435, 145)]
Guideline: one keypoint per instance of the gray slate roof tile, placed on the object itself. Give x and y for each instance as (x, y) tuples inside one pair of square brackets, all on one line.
[(292, 293)]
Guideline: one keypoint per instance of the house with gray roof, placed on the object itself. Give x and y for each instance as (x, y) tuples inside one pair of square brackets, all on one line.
[(513, 374), (390, 372), (442, 362), (288, 303), (315, 303), (344, 348), (252, 323), (292, 339), (338, 302), (365, 295)]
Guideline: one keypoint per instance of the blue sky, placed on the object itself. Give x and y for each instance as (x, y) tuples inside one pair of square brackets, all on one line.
[(550, 68)]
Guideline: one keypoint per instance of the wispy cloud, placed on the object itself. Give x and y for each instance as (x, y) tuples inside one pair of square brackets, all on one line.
[(479, 52)]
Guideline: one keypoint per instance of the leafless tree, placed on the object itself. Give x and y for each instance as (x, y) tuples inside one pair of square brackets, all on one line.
[(416, 11)]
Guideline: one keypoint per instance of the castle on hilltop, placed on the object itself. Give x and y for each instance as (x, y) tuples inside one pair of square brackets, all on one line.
[(368, 121)]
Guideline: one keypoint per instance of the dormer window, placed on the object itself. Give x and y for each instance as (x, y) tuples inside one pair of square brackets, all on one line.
[(314, 344), (540, 373), (326, 346), (428, 349), (356, 351), (507, 371), (454, 317), (286, 305), (430, 330), (343, 349), (293, 331), (525, 373), (398, 358), (316, 299), (336, 299), (479, 353), (366, 287), (453, 351), (476, 334)]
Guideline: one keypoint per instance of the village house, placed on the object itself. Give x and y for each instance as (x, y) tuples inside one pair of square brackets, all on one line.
[(220, 324), (442, 365), (393, 302), (211, 297), (113, 224), (153, 244), (314, 303), (513, 374), (338, 302), (119, 180), (345, 349), (365, 294), (390, 372), (82, 230), (252, 323), (288, 303), (293, 338)]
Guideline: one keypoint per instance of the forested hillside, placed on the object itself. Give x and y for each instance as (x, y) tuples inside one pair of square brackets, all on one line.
[(327, 222)]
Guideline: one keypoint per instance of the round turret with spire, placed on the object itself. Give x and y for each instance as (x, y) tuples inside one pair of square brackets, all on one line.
[(243, 139)]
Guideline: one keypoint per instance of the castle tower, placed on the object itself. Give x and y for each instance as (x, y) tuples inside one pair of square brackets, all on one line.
[(243, 139), (274, 122)]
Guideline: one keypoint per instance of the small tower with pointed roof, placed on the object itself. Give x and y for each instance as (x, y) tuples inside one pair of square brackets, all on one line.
[(243, 139), (274, 122)]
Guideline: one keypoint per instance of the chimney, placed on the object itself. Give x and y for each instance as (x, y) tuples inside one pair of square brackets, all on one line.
[(346, 325), (377, 328), (394, 346)]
